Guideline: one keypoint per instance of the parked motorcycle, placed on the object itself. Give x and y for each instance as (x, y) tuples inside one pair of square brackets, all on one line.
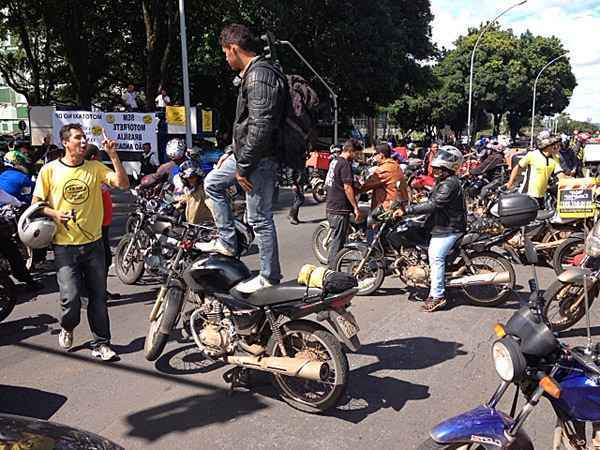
[(266, 330), (528, 355), (8, 299)]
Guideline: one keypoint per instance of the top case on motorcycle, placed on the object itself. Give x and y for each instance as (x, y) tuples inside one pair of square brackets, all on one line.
[(280, 293)]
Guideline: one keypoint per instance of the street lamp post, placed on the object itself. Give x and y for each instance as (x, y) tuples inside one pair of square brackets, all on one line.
[(535, 92), (186, 78), (473, 60)]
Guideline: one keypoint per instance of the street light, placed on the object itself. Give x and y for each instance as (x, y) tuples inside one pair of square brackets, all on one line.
[(186, 78), (535, 91), (473, 60)]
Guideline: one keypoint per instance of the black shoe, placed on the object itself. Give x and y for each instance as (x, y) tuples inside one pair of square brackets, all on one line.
[(433, 304), (293, 220)]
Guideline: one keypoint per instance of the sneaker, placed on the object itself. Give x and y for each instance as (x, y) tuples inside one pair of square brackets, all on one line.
[(104, 352), (433, 304), (65, 339), (254, 284), (214, 246)]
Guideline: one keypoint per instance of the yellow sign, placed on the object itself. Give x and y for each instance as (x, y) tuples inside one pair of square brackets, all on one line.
[(576, 197), (207, 121), (176, 115)]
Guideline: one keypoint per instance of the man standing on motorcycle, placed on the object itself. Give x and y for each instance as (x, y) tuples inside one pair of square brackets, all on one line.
[(341, 198), (447, 219)]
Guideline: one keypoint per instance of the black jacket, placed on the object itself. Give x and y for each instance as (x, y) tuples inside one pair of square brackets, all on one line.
[(446, 208), (259, 115)]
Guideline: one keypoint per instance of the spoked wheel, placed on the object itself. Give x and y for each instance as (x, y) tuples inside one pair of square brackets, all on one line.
[(320, 242), (556, 237), (430, 444), (301, 339), (569, 254), (165, 317), (370, 276), (490, 295), (8, 300), (564, 304), (129, 265), (319, 193)]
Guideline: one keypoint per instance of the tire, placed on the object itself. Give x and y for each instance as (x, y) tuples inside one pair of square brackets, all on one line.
[(430, 444), (319, 247), (369, 280), (490, 295), (8, 300), (565, 253), (559, 299), (330, 350), (166, 317), (319, 193), (132, 274), (552, 234)]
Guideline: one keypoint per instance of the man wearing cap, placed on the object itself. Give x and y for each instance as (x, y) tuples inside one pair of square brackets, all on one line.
[(540, 165)]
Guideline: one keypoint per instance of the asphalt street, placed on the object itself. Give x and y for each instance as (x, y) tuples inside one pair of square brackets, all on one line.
[(413, 370)]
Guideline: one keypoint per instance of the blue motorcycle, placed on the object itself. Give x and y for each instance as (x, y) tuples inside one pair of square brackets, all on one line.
[(528, 355)]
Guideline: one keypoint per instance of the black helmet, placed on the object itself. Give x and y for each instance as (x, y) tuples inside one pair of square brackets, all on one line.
[(189, 169)]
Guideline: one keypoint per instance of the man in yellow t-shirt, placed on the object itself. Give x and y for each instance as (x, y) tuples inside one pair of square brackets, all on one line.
[(71, 187), (540, 165)]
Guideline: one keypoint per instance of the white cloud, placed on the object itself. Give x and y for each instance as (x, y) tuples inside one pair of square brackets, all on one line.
[(576, 24)]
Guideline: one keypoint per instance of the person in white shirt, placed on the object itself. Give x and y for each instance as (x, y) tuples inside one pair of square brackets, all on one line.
[(162, 99), (130, 98)]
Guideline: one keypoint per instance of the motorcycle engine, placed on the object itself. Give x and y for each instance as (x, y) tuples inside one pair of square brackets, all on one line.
[(217, 335), (412, 268)]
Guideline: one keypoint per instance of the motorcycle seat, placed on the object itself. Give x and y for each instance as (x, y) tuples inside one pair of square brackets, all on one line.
[(467, 239), (545, 214), (280, 293)]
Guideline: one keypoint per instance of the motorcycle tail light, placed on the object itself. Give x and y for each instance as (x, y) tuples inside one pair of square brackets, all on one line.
[(499, 330), (186, 245), (341, 302), (550, 387)]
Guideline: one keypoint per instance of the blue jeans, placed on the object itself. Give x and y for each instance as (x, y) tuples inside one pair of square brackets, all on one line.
[(81, 273), (259, 206), (439, 247)]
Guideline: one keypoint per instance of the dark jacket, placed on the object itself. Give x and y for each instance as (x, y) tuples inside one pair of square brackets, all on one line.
[(259, 115), (446, 208)]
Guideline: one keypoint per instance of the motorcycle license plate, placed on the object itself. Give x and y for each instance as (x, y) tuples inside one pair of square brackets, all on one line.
[(347, 324)]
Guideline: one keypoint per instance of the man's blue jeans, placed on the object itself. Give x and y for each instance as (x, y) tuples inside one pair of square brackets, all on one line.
[(81, 273), (439, 248), (259, 207)]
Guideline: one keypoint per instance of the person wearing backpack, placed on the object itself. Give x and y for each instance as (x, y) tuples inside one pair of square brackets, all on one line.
[(252, 159)]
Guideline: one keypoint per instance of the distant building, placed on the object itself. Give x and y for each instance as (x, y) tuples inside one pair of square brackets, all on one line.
[(13, 108)]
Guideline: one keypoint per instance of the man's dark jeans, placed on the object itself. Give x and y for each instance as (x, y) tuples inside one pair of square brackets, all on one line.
[(339, 224), (81, 273)]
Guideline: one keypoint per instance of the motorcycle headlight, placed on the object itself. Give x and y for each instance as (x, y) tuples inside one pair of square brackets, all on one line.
[(508, 359), (592, 242)]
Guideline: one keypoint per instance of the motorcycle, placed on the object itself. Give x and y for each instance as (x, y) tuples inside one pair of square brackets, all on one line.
[(267, 330), (399, 248), (528, 355), (8, 299), (317, 185)]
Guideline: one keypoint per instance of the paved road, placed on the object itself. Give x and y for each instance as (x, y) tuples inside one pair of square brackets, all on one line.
[(413, 370)]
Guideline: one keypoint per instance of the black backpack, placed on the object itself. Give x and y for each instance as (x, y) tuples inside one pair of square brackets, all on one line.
[(300, 122)]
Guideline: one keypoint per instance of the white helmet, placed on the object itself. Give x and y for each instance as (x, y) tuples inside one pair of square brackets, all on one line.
[(449, 157), (175, 149), (36, 230)]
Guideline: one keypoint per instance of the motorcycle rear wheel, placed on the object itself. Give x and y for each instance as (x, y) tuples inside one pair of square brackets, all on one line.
[(559, 299), (129, 272), (564, 255), (166, 317), (430, 444), (306, 395), (369, 279), (8, 300), (319, 193), (319, 246), (491, 295)]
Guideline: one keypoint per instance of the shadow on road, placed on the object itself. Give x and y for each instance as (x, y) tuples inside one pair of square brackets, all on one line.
[(18, 330), (24, 401), (186, 361), (139, 297), (191, 412), (579, 332)]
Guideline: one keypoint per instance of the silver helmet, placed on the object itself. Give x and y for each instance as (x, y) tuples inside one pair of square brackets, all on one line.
[(449, 157), (175, 149), (35, 229)]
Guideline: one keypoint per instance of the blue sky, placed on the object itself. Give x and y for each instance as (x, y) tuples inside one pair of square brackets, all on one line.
[(575, 22)]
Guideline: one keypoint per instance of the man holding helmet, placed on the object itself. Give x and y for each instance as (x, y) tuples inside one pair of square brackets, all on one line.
[(71, 188), (447, 219)]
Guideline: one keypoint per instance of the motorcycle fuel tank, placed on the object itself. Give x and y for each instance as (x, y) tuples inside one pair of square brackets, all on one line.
[(579, 395), (215, 273)]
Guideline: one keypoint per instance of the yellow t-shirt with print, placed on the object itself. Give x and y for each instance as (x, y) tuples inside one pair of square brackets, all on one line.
[(539, 170), (75, 188)]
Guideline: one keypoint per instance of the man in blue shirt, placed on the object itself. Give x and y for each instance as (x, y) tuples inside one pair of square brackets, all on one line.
[(15, 180)]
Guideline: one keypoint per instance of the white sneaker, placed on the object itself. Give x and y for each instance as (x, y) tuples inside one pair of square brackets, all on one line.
[(104, 352), (255, 284), (65, 339), (214, 246)]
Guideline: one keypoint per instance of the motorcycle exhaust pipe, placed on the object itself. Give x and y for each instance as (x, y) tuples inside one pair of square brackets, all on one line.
[(484, 279), (283, 365)]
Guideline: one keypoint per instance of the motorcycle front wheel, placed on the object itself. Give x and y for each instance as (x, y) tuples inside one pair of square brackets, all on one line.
[(129, 266), (569, 254), (8, 300), (430, 444), (320, 244), (490, 295), (371, 275), (564, 304), (166, 316), (302, 339), (319, 193)]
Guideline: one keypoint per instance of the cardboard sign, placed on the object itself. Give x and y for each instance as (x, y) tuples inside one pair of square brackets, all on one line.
[(175, 115), (576, 203), (207, 121)]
